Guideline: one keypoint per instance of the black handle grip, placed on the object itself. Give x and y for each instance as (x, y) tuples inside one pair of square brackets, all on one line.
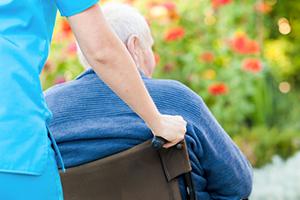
[(158, 142)]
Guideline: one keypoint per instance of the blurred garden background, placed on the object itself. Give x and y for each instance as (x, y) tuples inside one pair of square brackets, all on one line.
[(242, 57)]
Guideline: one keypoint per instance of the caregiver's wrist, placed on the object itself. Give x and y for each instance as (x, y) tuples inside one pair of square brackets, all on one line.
[(155, 122)]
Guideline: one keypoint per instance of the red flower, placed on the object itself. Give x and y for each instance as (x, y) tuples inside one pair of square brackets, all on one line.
[(252, 65), (218, 89), (243, 45), (239, 43), (252, 47), (263, 8), (174, 34), (207, 57), (218, 3), (65, 27)]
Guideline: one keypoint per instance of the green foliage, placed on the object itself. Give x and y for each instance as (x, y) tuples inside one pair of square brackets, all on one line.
[(260, 144), (285, 60)]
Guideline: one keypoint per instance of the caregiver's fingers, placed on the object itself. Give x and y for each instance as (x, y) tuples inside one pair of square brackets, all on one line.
[(172, 128), (171, 144)]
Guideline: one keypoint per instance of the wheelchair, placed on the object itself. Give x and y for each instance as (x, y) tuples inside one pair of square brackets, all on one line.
[(139, 173)]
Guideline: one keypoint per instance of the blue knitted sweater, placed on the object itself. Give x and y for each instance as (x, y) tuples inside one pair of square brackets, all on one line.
[(91, 122)]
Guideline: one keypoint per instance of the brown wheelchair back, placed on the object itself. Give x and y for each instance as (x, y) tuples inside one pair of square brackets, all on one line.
[(139, 173)]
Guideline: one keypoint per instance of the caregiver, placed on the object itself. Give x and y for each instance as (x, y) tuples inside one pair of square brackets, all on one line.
[(28, 169)]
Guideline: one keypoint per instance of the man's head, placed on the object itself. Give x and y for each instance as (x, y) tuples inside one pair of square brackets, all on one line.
[(133, 30)]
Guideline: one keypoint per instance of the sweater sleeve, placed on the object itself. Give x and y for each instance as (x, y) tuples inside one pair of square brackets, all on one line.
[(218, 164)]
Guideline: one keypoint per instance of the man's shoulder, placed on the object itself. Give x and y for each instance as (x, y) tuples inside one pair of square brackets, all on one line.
[(168, 85), (55, 89), (64, 92), (77, 84), (172, 91)]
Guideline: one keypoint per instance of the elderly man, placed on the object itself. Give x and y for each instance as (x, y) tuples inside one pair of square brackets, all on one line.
[(89, 125)]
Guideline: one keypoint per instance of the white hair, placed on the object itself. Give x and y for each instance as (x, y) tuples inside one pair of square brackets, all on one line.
[(125, 21)]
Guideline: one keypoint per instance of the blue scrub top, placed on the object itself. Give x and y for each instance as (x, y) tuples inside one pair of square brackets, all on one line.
[(26, 28)]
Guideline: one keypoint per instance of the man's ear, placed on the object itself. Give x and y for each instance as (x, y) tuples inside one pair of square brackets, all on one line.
[(132, 46)]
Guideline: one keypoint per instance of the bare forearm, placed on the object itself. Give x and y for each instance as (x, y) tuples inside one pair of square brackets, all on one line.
[(113, 64), (119, 72)]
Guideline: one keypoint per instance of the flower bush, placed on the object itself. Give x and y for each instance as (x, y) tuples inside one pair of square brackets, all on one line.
[(222, 65)]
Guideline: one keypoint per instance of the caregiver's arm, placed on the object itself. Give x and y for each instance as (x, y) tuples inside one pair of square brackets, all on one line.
[(112, 62)]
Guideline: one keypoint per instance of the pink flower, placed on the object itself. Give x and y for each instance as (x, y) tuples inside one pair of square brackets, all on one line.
[(72, 48), (218, 3), (172, 9), (170, 6), (59, 80)]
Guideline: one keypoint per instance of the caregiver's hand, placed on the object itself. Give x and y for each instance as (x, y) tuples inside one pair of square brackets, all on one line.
[(171, 128)]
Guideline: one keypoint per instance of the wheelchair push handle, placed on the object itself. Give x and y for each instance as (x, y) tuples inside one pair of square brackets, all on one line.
[(158, 142)]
